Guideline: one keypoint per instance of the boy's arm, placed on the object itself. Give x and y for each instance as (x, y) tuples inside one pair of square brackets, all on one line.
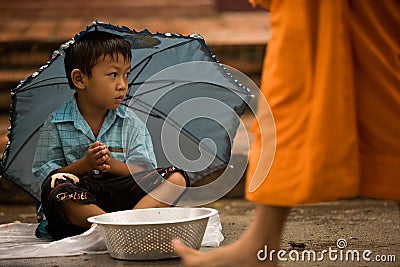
[(78, 168), (121, 169)]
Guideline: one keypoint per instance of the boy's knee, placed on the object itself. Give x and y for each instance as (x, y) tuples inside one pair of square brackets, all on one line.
[(177, 179)]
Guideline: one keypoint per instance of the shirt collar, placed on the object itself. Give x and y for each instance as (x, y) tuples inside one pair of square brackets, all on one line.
[(69, 111)]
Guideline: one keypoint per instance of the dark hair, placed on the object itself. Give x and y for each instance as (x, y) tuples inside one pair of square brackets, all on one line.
[(85, 53)]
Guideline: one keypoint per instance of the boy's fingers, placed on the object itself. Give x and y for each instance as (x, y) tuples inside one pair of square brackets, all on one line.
[(103, 168), (105, 158), (100, 161), (97, 149), (100, 154), (95, 144), (106, 168)]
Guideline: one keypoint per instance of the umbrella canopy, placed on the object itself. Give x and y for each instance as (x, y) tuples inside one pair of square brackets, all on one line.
[(189, 102)]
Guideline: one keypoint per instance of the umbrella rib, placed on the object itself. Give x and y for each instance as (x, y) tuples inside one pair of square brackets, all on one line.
[(170, 82), (146, 60), (153, 115), (37, 85)]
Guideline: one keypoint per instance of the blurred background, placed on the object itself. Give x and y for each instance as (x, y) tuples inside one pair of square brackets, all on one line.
[(236, 33)]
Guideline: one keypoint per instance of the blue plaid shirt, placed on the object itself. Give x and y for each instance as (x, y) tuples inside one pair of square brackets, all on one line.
[(66, 136)]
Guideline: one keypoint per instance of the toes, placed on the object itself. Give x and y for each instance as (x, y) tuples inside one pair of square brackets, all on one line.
[(188, 255), (179, 247)]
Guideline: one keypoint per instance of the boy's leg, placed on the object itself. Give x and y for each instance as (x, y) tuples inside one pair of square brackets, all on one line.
[(66, 207), (165, 193), (160, 187), (264, 230), (77, 213)]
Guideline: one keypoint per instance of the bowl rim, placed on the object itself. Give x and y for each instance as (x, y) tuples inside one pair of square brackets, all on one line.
[(95, 219)]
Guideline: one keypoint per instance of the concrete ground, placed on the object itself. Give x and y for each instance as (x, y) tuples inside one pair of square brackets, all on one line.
[(364, 224)]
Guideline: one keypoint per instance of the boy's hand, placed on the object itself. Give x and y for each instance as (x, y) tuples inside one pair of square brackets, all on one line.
[(98, 157)]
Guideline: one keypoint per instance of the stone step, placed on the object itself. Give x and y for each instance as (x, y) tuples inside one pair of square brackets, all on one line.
[(104, 8), (221, 29), (17, 55)]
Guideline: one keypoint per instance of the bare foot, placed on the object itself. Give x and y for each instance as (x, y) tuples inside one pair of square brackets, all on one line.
[(249, 250)]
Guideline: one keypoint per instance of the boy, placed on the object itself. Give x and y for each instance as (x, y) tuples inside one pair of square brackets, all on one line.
[(85, 164)]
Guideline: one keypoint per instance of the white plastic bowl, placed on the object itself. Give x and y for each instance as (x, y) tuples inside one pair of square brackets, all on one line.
[(146, 234)]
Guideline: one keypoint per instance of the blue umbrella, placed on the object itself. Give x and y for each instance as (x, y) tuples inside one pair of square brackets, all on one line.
[(168, 72)]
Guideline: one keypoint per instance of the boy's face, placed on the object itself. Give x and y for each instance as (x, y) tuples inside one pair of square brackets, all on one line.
[(107, 86)]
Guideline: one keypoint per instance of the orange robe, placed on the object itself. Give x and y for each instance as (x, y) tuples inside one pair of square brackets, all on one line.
[(332, 80)]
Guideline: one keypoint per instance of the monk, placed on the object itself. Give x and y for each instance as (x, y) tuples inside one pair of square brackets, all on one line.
[(332, 79)]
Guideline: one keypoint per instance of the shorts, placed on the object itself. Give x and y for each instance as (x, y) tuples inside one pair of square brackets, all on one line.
[(110, 193)]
